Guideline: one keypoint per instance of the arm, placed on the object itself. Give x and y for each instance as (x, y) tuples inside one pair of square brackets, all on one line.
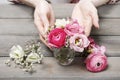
[(32, 3), (98, 3)]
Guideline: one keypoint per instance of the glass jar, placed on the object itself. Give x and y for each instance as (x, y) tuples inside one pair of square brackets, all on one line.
[(64, 56)]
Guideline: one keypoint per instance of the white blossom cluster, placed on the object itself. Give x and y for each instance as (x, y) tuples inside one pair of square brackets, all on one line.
[(25, 58)]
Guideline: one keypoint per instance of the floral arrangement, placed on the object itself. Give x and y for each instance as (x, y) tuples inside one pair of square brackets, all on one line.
[(67, 37), (25, 59)]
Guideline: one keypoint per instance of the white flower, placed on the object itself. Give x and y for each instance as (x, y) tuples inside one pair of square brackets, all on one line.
[(16, 52), (34, 58), (61, 23)]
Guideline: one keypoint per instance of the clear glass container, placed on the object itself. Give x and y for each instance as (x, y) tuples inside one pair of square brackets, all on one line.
[(64, 56)]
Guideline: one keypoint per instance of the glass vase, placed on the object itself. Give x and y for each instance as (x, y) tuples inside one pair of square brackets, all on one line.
[(64, 56)]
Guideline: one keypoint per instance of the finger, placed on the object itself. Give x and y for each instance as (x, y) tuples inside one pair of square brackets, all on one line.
[(38, 24), (40, 27), (77, 15), (45, 23), (43, 40), (52, 18), (95, 19), (88, 25)]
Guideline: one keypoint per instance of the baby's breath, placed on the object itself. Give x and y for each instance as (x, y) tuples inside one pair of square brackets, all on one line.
[(25, 62)]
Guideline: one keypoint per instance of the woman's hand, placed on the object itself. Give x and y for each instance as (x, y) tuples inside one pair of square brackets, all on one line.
[(43, 18), (43, 15), (86, 14)]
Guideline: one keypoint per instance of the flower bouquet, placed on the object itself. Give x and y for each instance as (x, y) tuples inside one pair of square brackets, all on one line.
[(67, 37)]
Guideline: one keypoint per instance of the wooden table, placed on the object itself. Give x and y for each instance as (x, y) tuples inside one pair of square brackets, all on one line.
[(17, 27)]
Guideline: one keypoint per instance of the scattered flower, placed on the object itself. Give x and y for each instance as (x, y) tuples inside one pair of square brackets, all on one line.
[(34, 58), (16, 52), (24, 59), (96, 62)]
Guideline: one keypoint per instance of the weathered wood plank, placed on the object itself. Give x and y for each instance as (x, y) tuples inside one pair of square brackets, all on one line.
[(17, 27), (112, 44), (50, 70), (107, 27), (8, 41), (17, 11), (109, 11), (4, 2), (26, 27)]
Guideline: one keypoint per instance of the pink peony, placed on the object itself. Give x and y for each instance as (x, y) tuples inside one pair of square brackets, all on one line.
[(57, 37), (78, 42), (96, 62), (73, 28)]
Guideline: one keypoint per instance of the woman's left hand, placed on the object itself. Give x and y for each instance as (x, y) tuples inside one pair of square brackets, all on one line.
[(86, 14)]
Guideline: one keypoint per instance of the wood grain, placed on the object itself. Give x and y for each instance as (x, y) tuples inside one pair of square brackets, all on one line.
[(50, 70), (112, 44), (61, 11), (27, 27), (17, 27), (8, 41), (107, 27)]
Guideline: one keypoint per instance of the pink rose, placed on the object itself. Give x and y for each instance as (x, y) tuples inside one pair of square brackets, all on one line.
[(96, 62), (73, 28), (56, 38), (78, 42)]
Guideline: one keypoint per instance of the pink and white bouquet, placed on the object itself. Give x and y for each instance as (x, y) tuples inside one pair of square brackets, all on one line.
[(68, 37)]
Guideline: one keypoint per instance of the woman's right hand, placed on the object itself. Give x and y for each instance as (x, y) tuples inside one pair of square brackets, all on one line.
[(86, 14), (43, 18)]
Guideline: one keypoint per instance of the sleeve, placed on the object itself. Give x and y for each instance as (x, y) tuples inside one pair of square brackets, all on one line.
[(74, 1), (113, 1), (15, 1)]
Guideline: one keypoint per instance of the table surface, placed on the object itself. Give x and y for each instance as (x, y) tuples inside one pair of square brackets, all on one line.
[(16, 28), (3, 1)]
